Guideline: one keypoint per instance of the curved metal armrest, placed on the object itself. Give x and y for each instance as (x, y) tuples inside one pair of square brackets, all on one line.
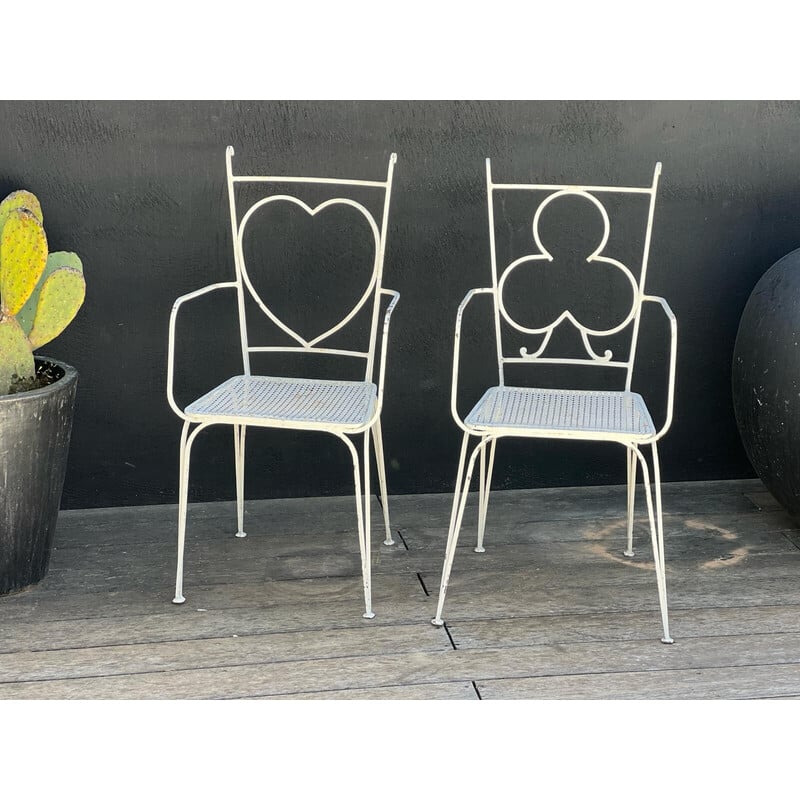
[(457, 350), (171, 346), (384, 339), (673, 325)]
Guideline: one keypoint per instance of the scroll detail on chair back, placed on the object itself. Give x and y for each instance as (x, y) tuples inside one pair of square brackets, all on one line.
[(344, 408), (555, 413)]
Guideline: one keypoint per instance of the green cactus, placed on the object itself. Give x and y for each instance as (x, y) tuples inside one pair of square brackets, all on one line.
[(40, 294)]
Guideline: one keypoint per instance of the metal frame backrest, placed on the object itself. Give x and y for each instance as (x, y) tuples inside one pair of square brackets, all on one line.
[(553, 192), (238, 228)]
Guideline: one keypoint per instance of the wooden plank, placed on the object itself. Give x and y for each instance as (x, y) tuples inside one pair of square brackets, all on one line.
[(583, 502), (112, 603), (763, 500), (264, 544), (607, 584), (512, 593), (793, 536), (701, 542), (336, 674), (692, 623), (678, 529), (418, 691), (183, 624), (233, 650), (158, 523), (726, 683)]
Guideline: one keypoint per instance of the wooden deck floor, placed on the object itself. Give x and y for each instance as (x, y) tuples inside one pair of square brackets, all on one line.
[(551, 610)]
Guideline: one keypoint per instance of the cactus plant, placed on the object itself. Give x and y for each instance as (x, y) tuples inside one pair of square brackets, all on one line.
[(40, 293)]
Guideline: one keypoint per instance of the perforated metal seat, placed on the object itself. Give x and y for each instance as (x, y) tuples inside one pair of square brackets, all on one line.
[(316, 404), (561, 412)]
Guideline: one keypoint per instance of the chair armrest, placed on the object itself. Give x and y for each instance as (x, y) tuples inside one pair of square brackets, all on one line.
[(384, 341), (171, 345), (457, 351), (673, 325)]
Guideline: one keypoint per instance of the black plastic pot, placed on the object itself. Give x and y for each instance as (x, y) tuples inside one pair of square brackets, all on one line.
[(35, 429)]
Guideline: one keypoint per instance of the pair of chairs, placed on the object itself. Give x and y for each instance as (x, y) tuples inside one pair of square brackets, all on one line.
[(351, 410)]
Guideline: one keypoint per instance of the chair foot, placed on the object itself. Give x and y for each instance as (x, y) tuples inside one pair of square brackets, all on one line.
[(178, 599), (628, 553), (388, 542), (438, 622), (240, 534), (479, 549), (368, 615), (667, 640)]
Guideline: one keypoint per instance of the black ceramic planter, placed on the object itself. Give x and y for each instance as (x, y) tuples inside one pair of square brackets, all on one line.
[(35, 430)]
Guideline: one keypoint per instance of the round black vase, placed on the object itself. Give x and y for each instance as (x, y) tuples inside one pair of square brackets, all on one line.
[(35, 430), (766, 380)]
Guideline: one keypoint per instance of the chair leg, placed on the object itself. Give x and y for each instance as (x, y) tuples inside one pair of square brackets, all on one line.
[(462, 460), (657, 536), (183, 495), (363, 519), (659, 512), (456, 516), (366, 565), (377, 438), (485, 488), (239, 432), (631, 499)]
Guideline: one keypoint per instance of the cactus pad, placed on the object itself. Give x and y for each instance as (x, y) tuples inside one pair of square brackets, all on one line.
[(20, 199), (39, 294), (55, 261), (16, 357), (60, 298), (23, 256)]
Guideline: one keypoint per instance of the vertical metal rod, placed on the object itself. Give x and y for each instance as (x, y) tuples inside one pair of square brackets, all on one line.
[(631, 499), (452, 539), (643, 274), (239, 432), (659, 513), (493, 256), (373, 337), (451, 530), (377, 437), (182, 495), (187, 440), (367, 564), (459, 477), (362, 542), (657, 555), (481, 487), (486, 487), (237, 261)]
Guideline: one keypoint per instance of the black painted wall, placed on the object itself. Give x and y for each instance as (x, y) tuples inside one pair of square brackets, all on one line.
[(138, 190)]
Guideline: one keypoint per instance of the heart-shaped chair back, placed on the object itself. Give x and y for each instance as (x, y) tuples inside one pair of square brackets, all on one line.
[(368, 293)]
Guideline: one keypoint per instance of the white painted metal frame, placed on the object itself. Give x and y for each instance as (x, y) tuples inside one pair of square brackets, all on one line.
[(260, 392), (488, 432)]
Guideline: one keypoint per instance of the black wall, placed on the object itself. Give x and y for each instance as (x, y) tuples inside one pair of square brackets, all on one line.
[(138, 190)]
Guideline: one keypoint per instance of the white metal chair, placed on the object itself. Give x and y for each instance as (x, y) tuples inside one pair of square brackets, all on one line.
[(612, 416), (343, 408)]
